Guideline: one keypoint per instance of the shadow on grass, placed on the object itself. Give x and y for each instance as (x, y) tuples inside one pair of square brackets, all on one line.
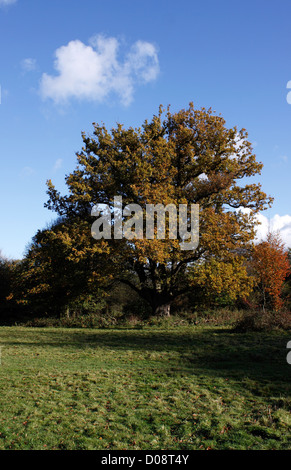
[(212, 351)]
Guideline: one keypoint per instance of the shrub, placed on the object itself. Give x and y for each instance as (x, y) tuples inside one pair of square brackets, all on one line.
[(258, 320)]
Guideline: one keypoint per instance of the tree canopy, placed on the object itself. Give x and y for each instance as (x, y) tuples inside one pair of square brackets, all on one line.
[(271, 266), (185, 157)]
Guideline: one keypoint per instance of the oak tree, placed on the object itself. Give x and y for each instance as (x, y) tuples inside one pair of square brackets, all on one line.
[(185, 157)]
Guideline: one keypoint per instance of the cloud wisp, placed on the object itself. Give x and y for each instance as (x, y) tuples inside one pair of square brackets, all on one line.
[(58, 164), (4, 3), (94, 71), (28, 65)]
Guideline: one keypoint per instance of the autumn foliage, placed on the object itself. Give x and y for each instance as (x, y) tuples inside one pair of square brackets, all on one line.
[(181, 158), (271, 266), (187, 157)]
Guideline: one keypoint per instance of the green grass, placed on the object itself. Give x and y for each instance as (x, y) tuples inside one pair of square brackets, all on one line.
[(194, 387)]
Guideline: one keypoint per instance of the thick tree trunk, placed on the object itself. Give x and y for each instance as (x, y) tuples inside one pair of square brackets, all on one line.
[(162, 310), (160, 302)]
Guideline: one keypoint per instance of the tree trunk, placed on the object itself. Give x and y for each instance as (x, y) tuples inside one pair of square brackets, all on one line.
[(67, 312), (160, 302), (162, 310)]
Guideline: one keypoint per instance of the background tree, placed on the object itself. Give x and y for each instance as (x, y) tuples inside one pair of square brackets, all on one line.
[(188, 157), (59, 268), (271, 266), (222, 283), (8, 287), (286, 292), (6, 268)]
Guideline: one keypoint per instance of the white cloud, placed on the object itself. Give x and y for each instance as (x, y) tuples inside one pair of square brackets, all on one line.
[(277, 223), (143, 61), (94, 71), (7, 2)]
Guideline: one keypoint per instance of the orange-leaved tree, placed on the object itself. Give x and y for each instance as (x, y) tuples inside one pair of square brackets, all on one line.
[(271, 267)]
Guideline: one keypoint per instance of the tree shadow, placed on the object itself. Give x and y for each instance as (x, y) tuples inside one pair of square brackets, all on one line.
[(215, 352)]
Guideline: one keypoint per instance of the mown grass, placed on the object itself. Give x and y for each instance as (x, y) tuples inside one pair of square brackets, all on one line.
[(191, 387)]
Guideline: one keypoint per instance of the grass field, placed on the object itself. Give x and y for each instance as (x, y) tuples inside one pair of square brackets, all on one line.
[(194, 387)]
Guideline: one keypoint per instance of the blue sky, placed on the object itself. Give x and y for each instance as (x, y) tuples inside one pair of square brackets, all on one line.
[(234, 57)]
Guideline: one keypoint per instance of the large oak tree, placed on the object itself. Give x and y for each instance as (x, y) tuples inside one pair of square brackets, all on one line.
[(186, 157)]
